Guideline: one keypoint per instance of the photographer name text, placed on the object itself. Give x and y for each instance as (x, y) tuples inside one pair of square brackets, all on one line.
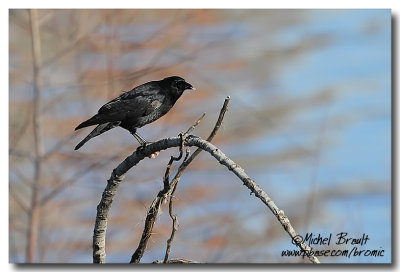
[(352, 246), (341, 238)]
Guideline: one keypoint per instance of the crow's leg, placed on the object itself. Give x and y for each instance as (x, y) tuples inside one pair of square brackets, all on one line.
[(143, 143), (139, 138)]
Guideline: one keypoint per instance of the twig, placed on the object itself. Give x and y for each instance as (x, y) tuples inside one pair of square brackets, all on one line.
[(220, 118), (155, 207), (171, 160), (217, 125), (195, 124), (174, 218), (174, 224)]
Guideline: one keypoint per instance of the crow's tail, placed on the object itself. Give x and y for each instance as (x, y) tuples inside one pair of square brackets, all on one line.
[(97, 131), (92, 121)]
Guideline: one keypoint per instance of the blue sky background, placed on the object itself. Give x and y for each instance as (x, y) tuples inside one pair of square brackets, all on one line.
[(357, 64)]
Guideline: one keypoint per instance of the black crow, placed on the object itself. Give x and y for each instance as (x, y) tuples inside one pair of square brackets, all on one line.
[(136, 108)]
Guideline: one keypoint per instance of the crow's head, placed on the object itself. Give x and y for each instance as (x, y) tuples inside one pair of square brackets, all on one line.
[(176, 85)]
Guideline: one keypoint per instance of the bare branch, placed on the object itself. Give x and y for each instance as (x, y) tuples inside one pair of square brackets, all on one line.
[(118, 175), (173, 216), (209, 139), (220, 118), (174, 223), (34, 212), (155, 207), (195, 124), (99, 235)]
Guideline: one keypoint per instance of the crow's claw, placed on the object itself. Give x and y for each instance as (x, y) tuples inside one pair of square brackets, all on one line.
[(141, 148)]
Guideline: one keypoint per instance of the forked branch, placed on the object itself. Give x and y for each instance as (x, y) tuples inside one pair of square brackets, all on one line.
[(190, 140), (169, 190)]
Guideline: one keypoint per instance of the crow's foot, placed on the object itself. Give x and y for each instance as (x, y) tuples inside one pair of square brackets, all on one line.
[(141, 148)]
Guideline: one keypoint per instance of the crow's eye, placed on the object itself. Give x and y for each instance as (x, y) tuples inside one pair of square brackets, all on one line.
[(181, 84)]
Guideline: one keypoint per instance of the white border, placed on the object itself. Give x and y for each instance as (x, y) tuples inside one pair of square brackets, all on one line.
[(4, 266)]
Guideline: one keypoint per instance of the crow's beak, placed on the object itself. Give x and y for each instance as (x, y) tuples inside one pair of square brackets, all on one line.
[(188, 86)]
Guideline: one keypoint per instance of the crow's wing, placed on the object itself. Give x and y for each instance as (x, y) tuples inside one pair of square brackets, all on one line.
[(132, 105), (145, 90)]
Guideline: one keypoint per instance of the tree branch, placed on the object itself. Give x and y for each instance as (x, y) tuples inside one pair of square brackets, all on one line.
[(172, 215), (155, 207), (34, 212), (184, 140), (118, 175)]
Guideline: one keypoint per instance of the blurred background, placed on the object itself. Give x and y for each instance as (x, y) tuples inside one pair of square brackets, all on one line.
[(309, 121)]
